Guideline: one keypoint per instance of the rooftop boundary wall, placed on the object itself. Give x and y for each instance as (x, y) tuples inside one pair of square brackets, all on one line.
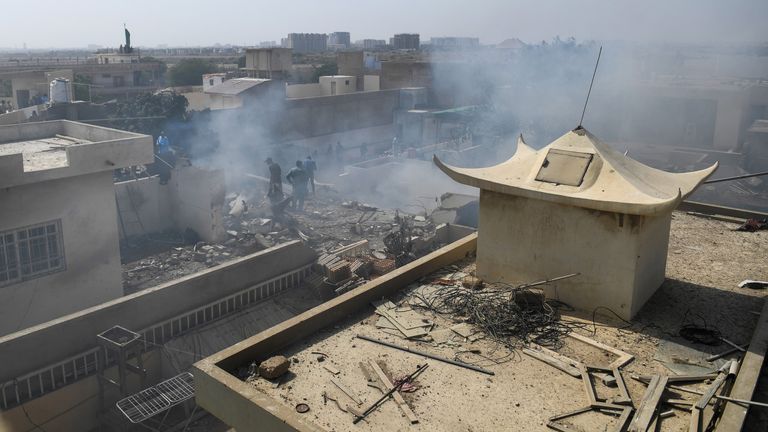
[(242, 406), (46, 357)]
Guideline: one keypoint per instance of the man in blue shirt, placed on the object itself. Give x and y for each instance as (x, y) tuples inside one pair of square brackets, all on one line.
[(165, 158), (310, 167)]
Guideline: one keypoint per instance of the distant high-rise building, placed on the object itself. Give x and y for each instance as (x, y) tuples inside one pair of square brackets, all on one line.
[(373, 44), (454, 42), (306, 42), (405, 41), (339, 38), (268, 44)]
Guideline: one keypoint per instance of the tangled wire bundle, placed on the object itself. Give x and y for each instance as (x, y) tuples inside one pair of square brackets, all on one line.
[(513, 316)]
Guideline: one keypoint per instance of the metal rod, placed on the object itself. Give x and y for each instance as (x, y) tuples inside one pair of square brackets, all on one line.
[(590, 85), (428, 355), (726, 352), (533, 284), (161, 160), (736, 177), (388, 394), (742, 401)]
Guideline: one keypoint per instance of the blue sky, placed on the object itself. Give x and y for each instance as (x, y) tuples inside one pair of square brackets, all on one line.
[(77, 23)]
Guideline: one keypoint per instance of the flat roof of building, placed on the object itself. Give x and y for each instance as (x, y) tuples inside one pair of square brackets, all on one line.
[(39, 151), (525, 392), (43, 153), (235, 86)]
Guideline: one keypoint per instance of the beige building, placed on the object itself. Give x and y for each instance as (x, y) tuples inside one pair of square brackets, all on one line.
[(241, 92), (58, 222), (272, 63), (577, 206)]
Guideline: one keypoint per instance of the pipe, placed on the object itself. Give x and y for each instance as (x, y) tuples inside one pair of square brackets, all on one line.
[(428, 355)]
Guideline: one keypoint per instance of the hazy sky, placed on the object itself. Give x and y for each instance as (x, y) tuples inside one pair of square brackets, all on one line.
[(77, 23)]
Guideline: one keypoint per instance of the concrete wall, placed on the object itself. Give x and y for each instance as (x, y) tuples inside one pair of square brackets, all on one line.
[(295, 91), (193, 198), (621, 258), (242, 406), (338, 84), (351, 63), (311, 117), (43, 345), (371, 83), (110, 149), (86, 207), (76, 406)]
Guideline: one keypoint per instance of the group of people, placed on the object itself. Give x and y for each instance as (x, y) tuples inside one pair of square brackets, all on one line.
[(301, 177)]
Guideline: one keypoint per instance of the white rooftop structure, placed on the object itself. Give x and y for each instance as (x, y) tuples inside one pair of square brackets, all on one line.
[(577, 206)]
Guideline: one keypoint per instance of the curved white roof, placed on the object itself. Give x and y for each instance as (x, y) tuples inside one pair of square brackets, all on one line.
[(579, 170)]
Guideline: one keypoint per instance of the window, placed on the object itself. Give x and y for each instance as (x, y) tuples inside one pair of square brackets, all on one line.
[(106, 75), (346, 82), (210, 81), (30, 252)]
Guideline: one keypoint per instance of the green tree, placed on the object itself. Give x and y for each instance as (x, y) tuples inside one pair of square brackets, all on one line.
[(82, 87), (325, 69), (149, 113), (241, 62), (190, 72), (150, 59)]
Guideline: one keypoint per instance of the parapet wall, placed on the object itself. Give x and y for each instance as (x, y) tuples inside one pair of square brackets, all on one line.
[(46, 344)]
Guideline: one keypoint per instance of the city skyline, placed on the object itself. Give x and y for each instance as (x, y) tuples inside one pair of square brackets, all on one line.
[(194, 23)]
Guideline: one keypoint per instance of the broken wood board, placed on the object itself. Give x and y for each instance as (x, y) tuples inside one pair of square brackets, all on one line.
[(623, 359), (648, 406), (347, 391), (331, 369), (386, 309), (554, 362), (396, 395)]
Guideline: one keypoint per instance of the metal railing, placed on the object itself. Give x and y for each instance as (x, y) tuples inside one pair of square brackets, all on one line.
[(40, 382)]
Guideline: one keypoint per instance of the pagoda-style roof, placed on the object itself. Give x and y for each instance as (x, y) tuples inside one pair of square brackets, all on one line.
[(579, 170)]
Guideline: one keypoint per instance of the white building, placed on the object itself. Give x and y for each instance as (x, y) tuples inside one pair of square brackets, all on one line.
[(59, 250)]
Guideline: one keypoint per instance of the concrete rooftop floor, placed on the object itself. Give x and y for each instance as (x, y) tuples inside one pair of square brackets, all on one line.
[(42, 154), (706, 261)]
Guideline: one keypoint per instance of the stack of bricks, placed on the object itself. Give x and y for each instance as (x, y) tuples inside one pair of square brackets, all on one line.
[(383, 266), (339, 271)]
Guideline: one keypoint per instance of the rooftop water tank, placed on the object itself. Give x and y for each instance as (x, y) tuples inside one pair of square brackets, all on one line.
[(60, 91)]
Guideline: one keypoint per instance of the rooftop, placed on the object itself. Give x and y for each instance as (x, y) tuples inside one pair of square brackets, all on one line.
[(701, 286), (235, 86), (39, 151), (43, 153)]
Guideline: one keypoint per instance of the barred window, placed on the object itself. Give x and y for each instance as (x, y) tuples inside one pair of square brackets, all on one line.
[(30, 252)]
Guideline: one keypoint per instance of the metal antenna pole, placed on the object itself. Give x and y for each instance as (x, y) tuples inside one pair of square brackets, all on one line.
[(590, 85)]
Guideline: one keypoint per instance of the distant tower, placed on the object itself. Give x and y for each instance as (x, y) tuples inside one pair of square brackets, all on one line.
[(127, 48)]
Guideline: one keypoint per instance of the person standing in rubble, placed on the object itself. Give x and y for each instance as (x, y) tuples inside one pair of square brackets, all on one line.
[(310, 167), (275, 180), (298, 178), (165, 158)]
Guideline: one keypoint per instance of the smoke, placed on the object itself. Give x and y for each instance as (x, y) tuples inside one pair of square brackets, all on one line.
[(644, 95)]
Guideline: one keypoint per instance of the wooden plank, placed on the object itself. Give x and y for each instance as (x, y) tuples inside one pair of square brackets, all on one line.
[(695, 424), (556, 363), (587, 381), (648, 405), (347, 391), (746, 380), (625, 397), (396, 395), (711, 390), (623, 359), (680, 378)]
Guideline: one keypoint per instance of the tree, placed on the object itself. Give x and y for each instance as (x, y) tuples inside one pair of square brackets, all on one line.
[(82, 87), (190, 72), (325, 69), (150, 113), (150, 59), (241, 62)]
